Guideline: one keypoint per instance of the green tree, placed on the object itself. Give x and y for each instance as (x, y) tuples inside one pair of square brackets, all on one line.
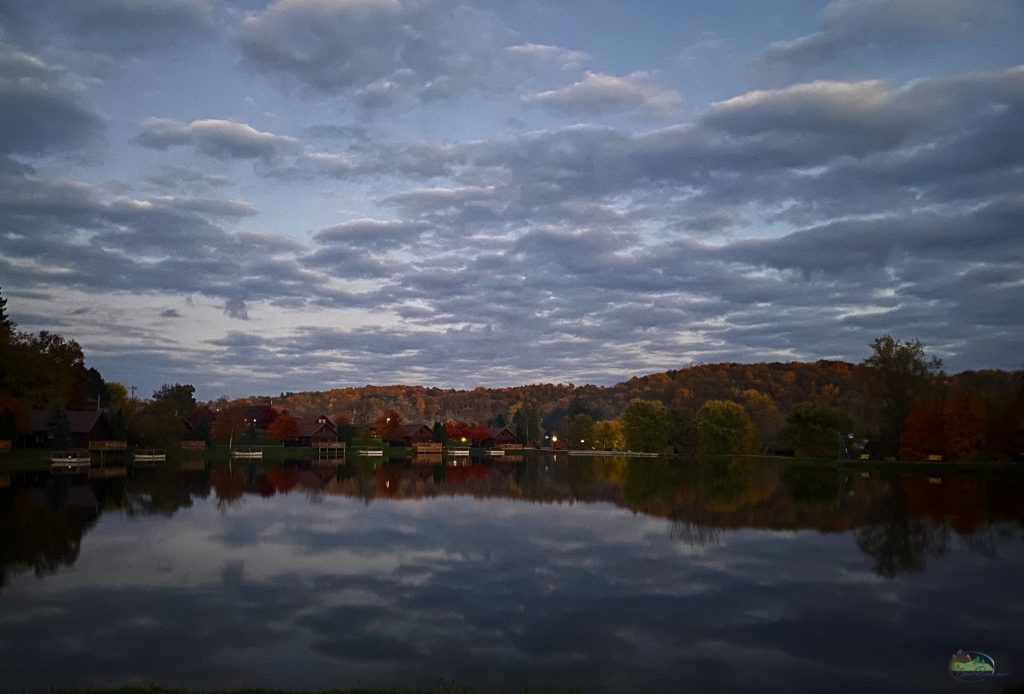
[(646, 425), (58, 427), (723, 428), (579, 431), (897, 373), (6, 324), (608, 435), (812, 429), (162, 419)]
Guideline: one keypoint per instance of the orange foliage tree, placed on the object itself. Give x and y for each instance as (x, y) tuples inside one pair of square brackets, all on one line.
[(456, 431), (389, 425), (230, 423), (283, 428), (964, 426), (923, 433)]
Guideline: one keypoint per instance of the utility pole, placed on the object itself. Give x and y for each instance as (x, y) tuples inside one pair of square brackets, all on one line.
[(133, 389)]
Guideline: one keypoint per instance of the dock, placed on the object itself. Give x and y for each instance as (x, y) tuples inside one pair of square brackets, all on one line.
[(149, 456), (247, 454), (70, 462)]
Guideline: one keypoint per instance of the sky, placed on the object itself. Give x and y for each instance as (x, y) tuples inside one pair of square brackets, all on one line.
[(258, 197)]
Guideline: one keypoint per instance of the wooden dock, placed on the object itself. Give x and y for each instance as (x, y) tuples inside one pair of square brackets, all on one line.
[(70, 462), (247, 454), (149, 456), (329, 452)]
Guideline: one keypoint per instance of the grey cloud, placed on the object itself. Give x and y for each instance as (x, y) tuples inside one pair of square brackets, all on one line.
[(384, 48), (185, 178), (372, 234), (221, 139), (599, 93), (112, 27), (848, 25), (170, 313), (42, 109)]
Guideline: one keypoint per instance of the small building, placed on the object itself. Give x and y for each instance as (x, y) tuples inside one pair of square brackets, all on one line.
[(314, 431), (498, 437), (83, 425), (412, 434)]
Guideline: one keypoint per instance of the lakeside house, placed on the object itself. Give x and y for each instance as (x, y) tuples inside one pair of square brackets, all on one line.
[(314, 431), (83, 425), (412, 434), (499, 437)]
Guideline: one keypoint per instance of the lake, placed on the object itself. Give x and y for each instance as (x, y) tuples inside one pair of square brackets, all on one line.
[(589, 574)]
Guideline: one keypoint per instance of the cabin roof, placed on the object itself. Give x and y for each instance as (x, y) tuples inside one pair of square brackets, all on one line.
[(80, 421)]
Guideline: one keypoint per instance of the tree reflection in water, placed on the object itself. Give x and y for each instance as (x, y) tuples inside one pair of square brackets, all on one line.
[(900, 520)]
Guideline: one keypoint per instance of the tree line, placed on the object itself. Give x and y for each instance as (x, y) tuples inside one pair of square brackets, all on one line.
[(897, 402)]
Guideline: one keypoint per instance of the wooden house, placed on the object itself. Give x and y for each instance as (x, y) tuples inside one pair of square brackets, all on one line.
[(500, 437), (314, 431), (84, 426), (413, 434)]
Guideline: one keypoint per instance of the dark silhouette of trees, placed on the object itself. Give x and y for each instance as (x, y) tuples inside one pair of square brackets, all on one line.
[(646, 425), (812, 429), (723, 428), (897, 374)]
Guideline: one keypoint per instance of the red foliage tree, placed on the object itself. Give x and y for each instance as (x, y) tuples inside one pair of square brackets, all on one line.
[(923, 434), (283, 479), (283, 428), (964, 426), (20, 416), (456, 431), (479, 433), (389, 425)]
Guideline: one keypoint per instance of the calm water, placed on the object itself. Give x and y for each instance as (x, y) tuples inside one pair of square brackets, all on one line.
[(603, 575)]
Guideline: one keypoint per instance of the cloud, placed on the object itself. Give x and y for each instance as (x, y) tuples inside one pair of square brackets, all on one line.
[(598, 94), (849, 25), (220, 139), (383, 49), (43, 110), (170, 313), (372, 234), (540, 56), (111, 28)]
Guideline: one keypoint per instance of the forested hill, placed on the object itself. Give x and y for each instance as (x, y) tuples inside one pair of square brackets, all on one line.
[(757, 386), (761, 388)]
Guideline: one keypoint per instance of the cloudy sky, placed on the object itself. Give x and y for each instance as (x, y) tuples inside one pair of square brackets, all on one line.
[(255, 197)]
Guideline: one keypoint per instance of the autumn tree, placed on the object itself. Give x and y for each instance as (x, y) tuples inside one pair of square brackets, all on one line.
[(898, 372), (646, 425), (389, 426), (456, 430), (478, 433), (230, 423), (608, 435), (812, 429), (723, 428), (579, 431), (15, 418), (284, 427)]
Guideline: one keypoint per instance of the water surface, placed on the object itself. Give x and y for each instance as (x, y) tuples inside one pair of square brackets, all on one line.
[(604, 575)]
